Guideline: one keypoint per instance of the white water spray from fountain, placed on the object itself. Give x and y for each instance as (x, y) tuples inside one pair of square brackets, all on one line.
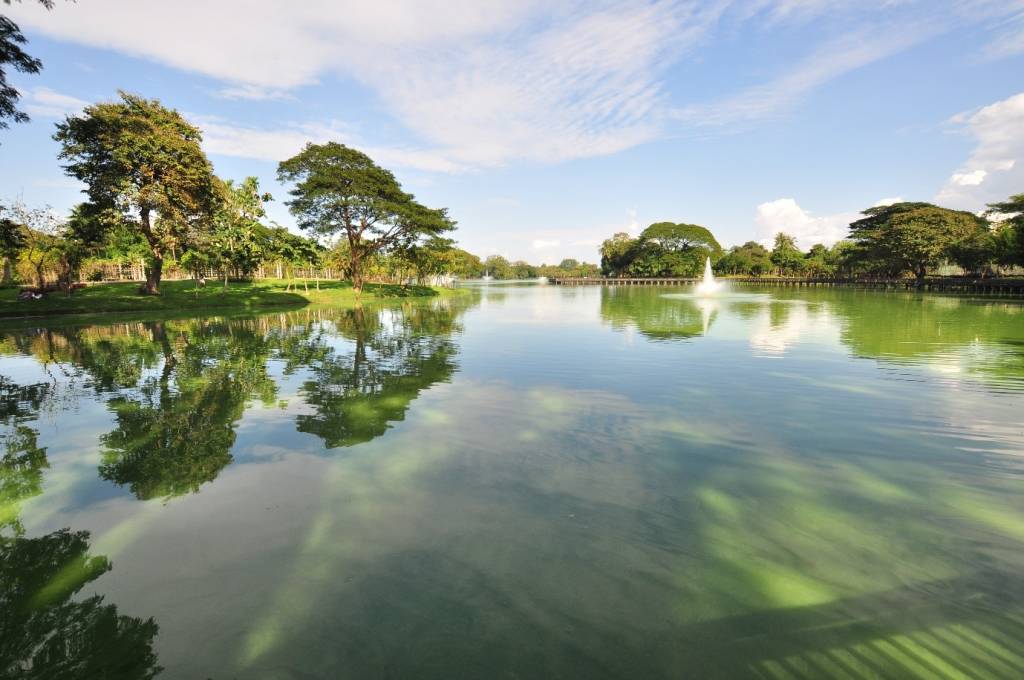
[(708, 286)]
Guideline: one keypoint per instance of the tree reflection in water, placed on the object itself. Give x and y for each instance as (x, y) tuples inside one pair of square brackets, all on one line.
[(43, 632), (358, 393)]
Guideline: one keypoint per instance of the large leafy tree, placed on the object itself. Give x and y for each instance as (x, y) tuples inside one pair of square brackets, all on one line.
[(341, 191), (142, 163), (668, 249), (1010, 232), (12, 54), (912, 237)]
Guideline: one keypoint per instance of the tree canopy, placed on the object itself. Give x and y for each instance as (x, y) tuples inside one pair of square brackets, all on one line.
[(11, 53), (338, 190), (143, 166), (912, 237), (662, 249), (1009, 235)]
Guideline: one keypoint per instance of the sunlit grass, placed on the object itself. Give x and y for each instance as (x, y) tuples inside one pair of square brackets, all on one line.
[(185, 296)]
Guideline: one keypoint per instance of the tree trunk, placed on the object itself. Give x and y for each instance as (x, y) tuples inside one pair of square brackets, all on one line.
[(8, 272), (921, 272), (153, 274), (156, 268), (357, 272)]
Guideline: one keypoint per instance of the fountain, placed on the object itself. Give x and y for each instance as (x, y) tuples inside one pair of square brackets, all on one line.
[(708, 286)]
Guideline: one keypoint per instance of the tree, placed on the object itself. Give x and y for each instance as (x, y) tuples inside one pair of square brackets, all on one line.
[(293, 251), (339, 190), (617, 253), (429, 258), (143, 165), (11, 40), (463, 263), (668, 249), (817, 261), (750, 258), (39, 241), (1009, 234), (912, 237), (786, 256), (239, 241), (12, 242), (498, 267)]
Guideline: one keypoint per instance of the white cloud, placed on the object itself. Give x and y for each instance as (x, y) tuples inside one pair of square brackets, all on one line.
[(541, 244), (47, 103), (891, 200), (992, 172), (480, 83), (786, 215), (968, 179), (226, 138)]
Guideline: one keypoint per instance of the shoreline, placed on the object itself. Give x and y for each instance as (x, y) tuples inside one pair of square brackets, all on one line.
[(181, 297)]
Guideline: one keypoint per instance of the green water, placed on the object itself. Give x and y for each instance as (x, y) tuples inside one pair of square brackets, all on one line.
[(524, 482)]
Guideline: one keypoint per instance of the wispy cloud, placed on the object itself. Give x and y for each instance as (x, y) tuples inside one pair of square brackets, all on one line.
[(481, 83), (830, 61), (46, 103), (227, 138)]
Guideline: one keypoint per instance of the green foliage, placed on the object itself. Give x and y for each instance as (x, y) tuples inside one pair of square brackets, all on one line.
[(357, 394), (751, 259), (182, 297), (48, 629), (238, 241), (1008, 239), (912, 237), (617, 253), (11, 53), (177, 435), (140, 160), (663, 249), (786, 257), (498, 267), (463, 264), (341, 191)]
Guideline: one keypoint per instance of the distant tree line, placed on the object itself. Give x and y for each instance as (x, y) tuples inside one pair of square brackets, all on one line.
[(500, 268), (893, 241)]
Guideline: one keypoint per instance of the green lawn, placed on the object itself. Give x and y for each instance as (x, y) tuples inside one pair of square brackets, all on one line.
[(183, 296)]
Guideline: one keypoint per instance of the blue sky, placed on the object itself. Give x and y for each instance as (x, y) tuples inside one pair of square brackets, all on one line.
[(546, 127)]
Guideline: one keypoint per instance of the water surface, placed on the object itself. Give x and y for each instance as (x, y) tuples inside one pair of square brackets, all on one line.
[(528, 481)]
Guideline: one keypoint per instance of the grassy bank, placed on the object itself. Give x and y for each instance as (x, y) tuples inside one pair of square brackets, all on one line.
[(183, 296)]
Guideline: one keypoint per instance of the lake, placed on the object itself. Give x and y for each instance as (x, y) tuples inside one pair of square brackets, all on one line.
[(525, 481)]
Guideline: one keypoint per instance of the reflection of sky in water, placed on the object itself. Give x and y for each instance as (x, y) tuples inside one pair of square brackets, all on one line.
[(586, 482)]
